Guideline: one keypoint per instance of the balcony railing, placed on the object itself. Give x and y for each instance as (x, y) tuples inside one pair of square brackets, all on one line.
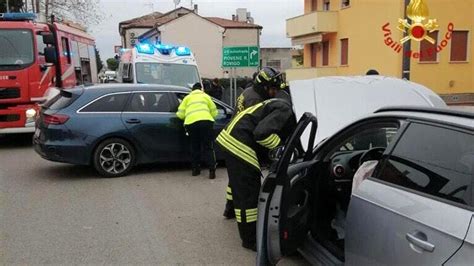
[(312, 23)]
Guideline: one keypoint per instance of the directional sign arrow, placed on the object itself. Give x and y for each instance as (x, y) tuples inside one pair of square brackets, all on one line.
[(253, 53)]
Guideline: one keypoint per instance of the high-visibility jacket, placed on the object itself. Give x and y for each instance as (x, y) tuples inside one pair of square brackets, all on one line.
[(266, 125), (197, 106)]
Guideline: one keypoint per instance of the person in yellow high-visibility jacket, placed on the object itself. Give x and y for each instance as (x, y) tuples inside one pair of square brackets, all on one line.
[(198, 112)]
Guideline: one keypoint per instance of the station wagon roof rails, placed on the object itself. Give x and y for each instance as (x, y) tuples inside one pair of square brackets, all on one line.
[(427, 110)]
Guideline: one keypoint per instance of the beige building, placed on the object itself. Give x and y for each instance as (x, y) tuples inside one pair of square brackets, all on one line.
[(278, 58), (206, 36), (130, 29)]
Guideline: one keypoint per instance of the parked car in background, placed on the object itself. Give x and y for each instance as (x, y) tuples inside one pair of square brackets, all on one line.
[(377, 185), (114, 127), (110, 76)]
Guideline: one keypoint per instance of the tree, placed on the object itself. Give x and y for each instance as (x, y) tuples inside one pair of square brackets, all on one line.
[(99, 62), (14, 5), (112, 64), (84, 12)]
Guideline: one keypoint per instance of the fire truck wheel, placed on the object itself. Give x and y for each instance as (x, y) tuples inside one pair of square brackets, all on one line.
[(114, 157)]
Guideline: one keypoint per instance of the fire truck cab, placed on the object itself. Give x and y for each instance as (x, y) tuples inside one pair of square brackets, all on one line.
[(158, 64), (35, 57)]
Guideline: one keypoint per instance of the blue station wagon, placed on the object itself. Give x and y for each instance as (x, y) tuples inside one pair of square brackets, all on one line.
[(114, 127)]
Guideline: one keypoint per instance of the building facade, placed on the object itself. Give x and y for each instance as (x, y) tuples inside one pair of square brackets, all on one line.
[(206, 36), (131, 29), (349, 37), (278, 58)]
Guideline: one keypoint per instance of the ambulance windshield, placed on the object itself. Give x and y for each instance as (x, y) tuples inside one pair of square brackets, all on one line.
[(167, 74)]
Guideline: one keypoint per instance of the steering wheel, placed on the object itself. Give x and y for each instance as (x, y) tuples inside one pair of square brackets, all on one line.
[(372, 154)]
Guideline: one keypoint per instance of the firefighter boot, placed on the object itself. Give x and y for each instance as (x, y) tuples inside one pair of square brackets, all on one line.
[(196, 171), (229, 212), (249, 245), (212, 173)]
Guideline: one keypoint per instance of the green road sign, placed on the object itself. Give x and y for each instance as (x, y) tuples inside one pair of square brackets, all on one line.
[(241, 56)]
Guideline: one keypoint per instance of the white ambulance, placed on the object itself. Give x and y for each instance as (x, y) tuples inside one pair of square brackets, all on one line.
[(158, 64)]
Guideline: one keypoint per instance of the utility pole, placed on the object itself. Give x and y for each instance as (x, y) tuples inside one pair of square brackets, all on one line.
[(8, 6)]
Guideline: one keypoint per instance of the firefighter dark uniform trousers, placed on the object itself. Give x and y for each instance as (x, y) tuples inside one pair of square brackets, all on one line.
[(259, 125)]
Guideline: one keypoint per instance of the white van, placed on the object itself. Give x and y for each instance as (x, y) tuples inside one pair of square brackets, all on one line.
[(158, 64)]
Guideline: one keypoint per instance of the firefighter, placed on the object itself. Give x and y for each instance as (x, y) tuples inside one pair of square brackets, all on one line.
[(260, 90), (198, 112), (260, 126), (265, 86)]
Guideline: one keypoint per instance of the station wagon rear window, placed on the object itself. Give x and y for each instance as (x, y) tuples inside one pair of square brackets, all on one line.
[(60, 101)]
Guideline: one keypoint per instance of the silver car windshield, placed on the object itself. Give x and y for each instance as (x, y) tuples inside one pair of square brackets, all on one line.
[(167, 74), (16, 48)]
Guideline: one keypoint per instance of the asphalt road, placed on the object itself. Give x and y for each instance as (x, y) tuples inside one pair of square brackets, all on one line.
[(53, 213)]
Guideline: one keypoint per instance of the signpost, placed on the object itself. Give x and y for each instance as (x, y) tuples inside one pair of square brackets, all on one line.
[(241, 56), (234, 57)]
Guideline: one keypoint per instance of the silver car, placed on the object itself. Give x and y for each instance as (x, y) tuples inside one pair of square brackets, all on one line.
[(395, 187)]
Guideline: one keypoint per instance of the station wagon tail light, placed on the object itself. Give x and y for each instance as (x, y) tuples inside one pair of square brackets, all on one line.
[(55, 119)]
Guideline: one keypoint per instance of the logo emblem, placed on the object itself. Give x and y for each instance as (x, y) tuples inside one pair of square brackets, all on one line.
[(417, 30), (419, 13)]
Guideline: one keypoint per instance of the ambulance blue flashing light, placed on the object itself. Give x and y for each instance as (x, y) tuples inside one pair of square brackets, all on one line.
[(17, 16), (164, 49), (145, 48), (182, 51)]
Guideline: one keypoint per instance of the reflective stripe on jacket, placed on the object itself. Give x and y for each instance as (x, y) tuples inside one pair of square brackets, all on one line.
[(260, 125), (197, 106)]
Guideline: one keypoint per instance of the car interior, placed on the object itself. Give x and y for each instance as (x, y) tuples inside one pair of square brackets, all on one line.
[(150, 102), (343, 161)]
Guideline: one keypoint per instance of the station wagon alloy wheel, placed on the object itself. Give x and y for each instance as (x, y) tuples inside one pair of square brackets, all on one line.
[(115, 158)]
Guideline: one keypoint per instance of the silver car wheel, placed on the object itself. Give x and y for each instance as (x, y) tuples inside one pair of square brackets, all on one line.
[(115, 158)]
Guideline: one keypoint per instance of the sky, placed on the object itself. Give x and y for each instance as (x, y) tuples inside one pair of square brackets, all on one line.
[(271, 14)]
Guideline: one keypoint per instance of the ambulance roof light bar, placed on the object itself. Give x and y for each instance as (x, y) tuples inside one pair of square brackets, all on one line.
[(17, 16), (165, 49)]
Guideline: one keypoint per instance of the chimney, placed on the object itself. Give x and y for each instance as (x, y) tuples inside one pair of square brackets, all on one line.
[(233, 18), (196, 9), (250, 18), (241, 14)]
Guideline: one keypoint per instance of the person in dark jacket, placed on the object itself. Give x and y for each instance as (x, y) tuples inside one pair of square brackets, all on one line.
[(264, 125), (265, 86), (216, 89), (372, 72)]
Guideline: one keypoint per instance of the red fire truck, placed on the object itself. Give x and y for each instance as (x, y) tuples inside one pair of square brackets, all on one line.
[(36, 58)]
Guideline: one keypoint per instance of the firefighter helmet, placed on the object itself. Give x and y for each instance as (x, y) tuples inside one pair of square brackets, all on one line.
[(268, 77)]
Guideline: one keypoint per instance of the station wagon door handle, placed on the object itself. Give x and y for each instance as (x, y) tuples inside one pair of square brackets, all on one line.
[(420, 240), (133, 121)]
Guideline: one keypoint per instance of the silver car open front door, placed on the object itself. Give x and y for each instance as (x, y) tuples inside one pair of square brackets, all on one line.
[(284, 205)]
